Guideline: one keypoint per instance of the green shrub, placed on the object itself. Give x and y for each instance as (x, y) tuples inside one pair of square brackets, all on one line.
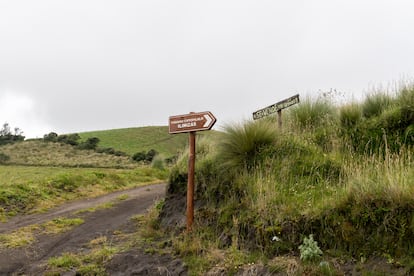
[(145, 157), (70, 139), (50, 137), (90, 144)]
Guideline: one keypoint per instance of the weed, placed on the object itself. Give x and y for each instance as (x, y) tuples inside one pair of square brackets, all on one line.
[(59, 225), (309, 250), (20, 237), (122, 197), (66, 261)]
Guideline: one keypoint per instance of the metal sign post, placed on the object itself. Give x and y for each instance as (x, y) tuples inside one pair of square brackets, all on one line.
[(191, 123), (277, 107)]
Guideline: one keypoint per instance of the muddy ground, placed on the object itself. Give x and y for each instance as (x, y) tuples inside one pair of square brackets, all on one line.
[(31, 260)]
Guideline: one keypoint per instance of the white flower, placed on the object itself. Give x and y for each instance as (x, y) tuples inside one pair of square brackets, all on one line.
[(276, 238)]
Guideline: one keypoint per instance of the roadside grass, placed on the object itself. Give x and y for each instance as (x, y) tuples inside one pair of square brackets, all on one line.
[(20, 237), (60, 225), (102, 206), (122, 197), (36, 189), (91, 263), (27, 235)]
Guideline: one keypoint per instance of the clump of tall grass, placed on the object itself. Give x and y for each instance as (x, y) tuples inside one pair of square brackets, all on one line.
[(205, 168), (390, 179), (349, 115), (375, 103), (385, 125), (241, 144), (315, 120), (313, 113)]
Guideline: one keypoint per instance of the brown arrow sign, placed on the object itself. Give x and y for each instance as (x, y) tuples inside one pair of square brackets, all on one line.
[(191, 122)]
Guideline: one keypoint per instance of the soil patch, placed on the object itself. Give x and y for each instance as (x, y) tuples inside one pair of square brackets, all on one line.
[(136, 262)]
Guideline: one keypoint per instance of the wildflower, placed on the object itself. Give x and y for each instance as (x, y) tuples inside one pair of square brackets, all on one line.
[(276, 238)]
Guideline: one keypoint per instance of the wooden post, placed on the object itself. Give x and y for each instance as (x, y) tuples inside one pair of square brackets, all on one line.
[(191, 123), (190, 183), (279, 118)]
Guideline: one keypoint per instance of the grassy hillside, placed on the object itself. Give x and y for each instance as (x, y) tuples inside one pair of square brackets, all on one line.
[(335, 185), (40, 153), (133, 140)]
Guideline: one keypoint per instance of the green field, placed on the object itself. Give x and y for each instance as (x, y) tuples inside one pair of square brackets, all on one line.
[(133, 140)]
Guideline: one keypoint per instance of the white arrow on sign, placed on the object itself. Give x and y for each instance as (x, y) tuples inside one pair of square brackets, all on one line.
[(208, 120)]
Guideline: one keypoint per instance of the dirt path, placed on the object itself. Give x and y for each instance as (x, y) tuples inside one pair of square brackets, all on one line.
[(27, 260)]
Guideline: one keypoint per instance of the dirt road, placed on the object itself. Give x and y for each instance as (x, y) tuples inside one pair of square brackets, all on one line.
[(27, 260)]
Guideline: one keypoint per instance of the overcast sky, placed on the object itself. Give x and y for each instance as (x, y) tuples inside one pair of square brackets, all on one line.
[(78, 65)]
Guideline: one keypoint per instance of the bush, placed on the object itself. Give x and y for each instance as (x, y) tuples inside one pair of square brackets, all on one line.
[(89, 144), (146, 157), (139, 156), (70, 139), (111, 151), (50, 137), (150, 155)]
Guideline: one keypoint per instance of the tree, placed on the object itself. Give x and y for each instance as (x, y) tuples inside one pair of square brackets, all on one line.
[(7, 136)]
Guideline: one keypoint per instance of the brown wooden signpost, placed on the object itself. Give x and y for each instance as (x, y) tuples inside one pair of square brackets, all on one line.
[(191, 123), (277, 107)]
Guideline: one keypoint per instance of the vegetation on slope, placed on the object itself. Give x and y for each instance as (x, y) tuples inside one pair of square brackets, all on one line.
[(133, 140), (40, 153), (29, 189), (341, 175)]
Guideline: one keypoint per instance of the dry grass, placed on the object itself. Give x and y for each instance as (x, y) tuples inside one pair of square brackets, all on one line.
[(39, 153), (27, 235)]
